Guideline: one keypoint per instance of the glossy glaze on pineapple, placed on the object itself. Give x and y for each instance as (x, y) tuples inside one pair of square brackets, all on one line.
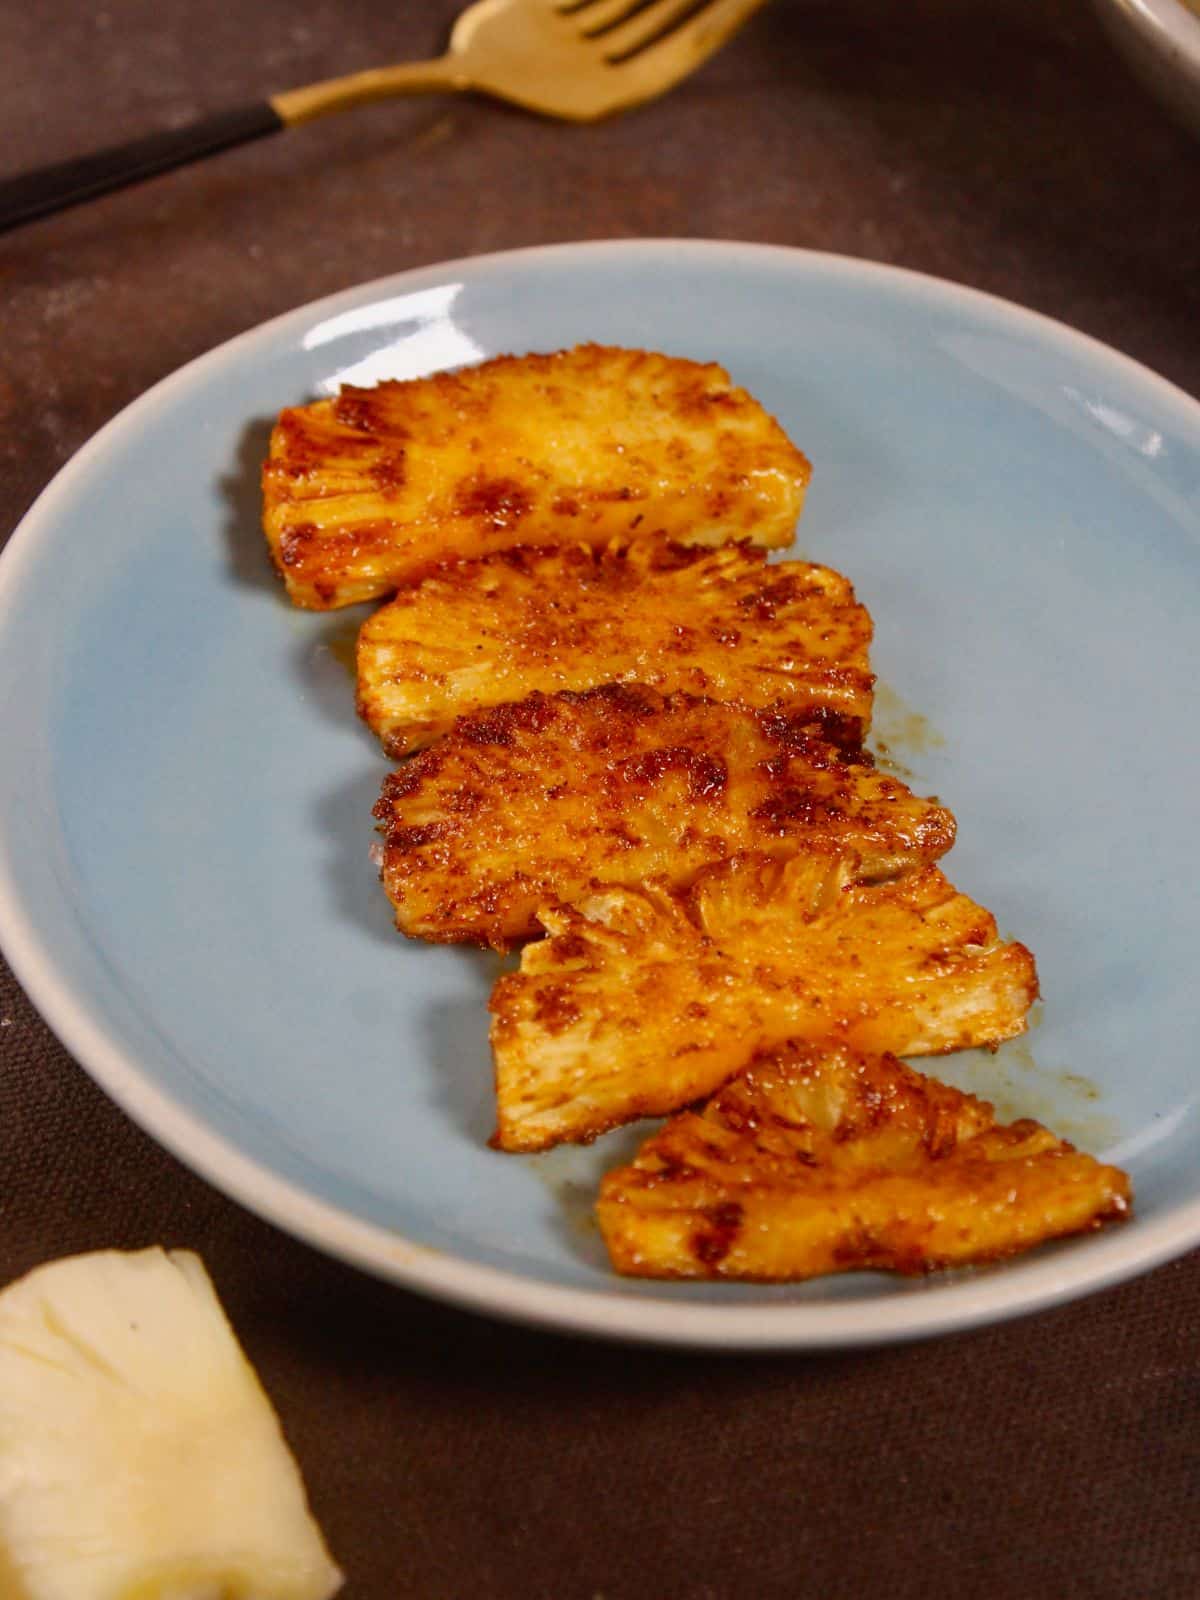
[(816, 1159), (364, 492), (642, 1001), (716, 623), (542, 800)]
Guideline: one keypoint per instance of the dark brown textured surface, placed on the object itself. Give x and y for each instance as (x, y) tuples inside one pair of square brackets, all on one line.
[(1000, 145)]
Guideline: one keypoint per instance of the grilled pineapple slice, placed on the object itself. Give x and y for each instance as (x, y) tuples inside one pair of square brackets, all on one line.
[(541, 800), (712, 622), (365, 491), (818, 1160), (138, 1454), (642, 1001)]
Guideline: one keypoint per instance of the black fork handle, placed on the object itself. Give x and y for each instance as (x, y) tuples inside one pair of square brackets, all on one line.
[(36, 194)]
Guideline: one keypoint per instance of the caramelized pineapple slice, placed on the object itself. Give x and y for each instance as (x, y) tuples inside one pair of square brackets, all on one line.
[(363, 492), (818, 1160), (541, 800), (712, 622), (642, 1001)]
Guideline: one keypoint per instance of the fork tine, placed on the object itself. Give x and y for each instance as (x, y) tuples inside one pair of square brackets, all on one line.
[(665, 53), (595, 17), (622, 37)]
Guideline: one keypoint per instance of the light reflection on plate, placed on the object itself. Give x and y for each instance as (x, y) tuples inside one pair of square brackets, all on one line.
[(421, 332), (1160, 40), (185, 882)]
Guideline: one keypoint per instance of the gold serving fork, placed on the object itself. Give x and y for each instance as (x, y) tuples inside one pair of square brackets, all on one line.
[(574, 59)]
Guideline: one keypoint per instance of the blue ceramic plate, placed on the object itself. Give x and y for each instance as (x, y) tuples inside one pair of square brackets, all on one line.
[(185, 886)]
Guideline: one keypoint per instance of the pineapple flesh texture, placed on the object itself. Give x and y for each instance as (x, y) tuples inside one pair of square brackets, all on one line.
[(817, 1160), (543, 800), (139, 1457), (641, 1001), (716, 623), (365, 491)]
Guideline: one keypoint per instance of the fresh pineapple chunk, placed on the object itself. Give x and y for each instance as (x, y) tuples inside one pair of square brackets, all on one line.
[(718, 623), (642, 1001), (817, 1160), (363, 492), (542, 800), (139, 1457)]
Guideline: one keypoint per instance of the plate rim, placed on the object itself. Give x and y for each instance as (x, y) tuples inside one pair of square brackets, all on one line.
[(1083, 1267), (1168, 26)]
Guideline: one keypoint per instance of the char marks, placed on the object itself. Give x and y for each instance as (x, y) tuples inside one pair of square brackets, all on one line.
[(621, 785), (580, 446), (818, 1160), (673, 618), (676, 991)]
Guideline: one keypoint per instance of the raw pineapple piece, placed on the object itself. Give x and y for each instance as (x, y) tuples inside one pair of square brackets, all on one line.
[(365, 491), (818, 1160), (641, 1001), (712, 622), (139, 1457), (542, 800)]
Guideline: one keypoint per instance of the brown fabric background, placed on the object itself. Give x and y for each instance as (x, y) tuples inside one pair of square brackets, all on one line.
[(1001, 145)]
